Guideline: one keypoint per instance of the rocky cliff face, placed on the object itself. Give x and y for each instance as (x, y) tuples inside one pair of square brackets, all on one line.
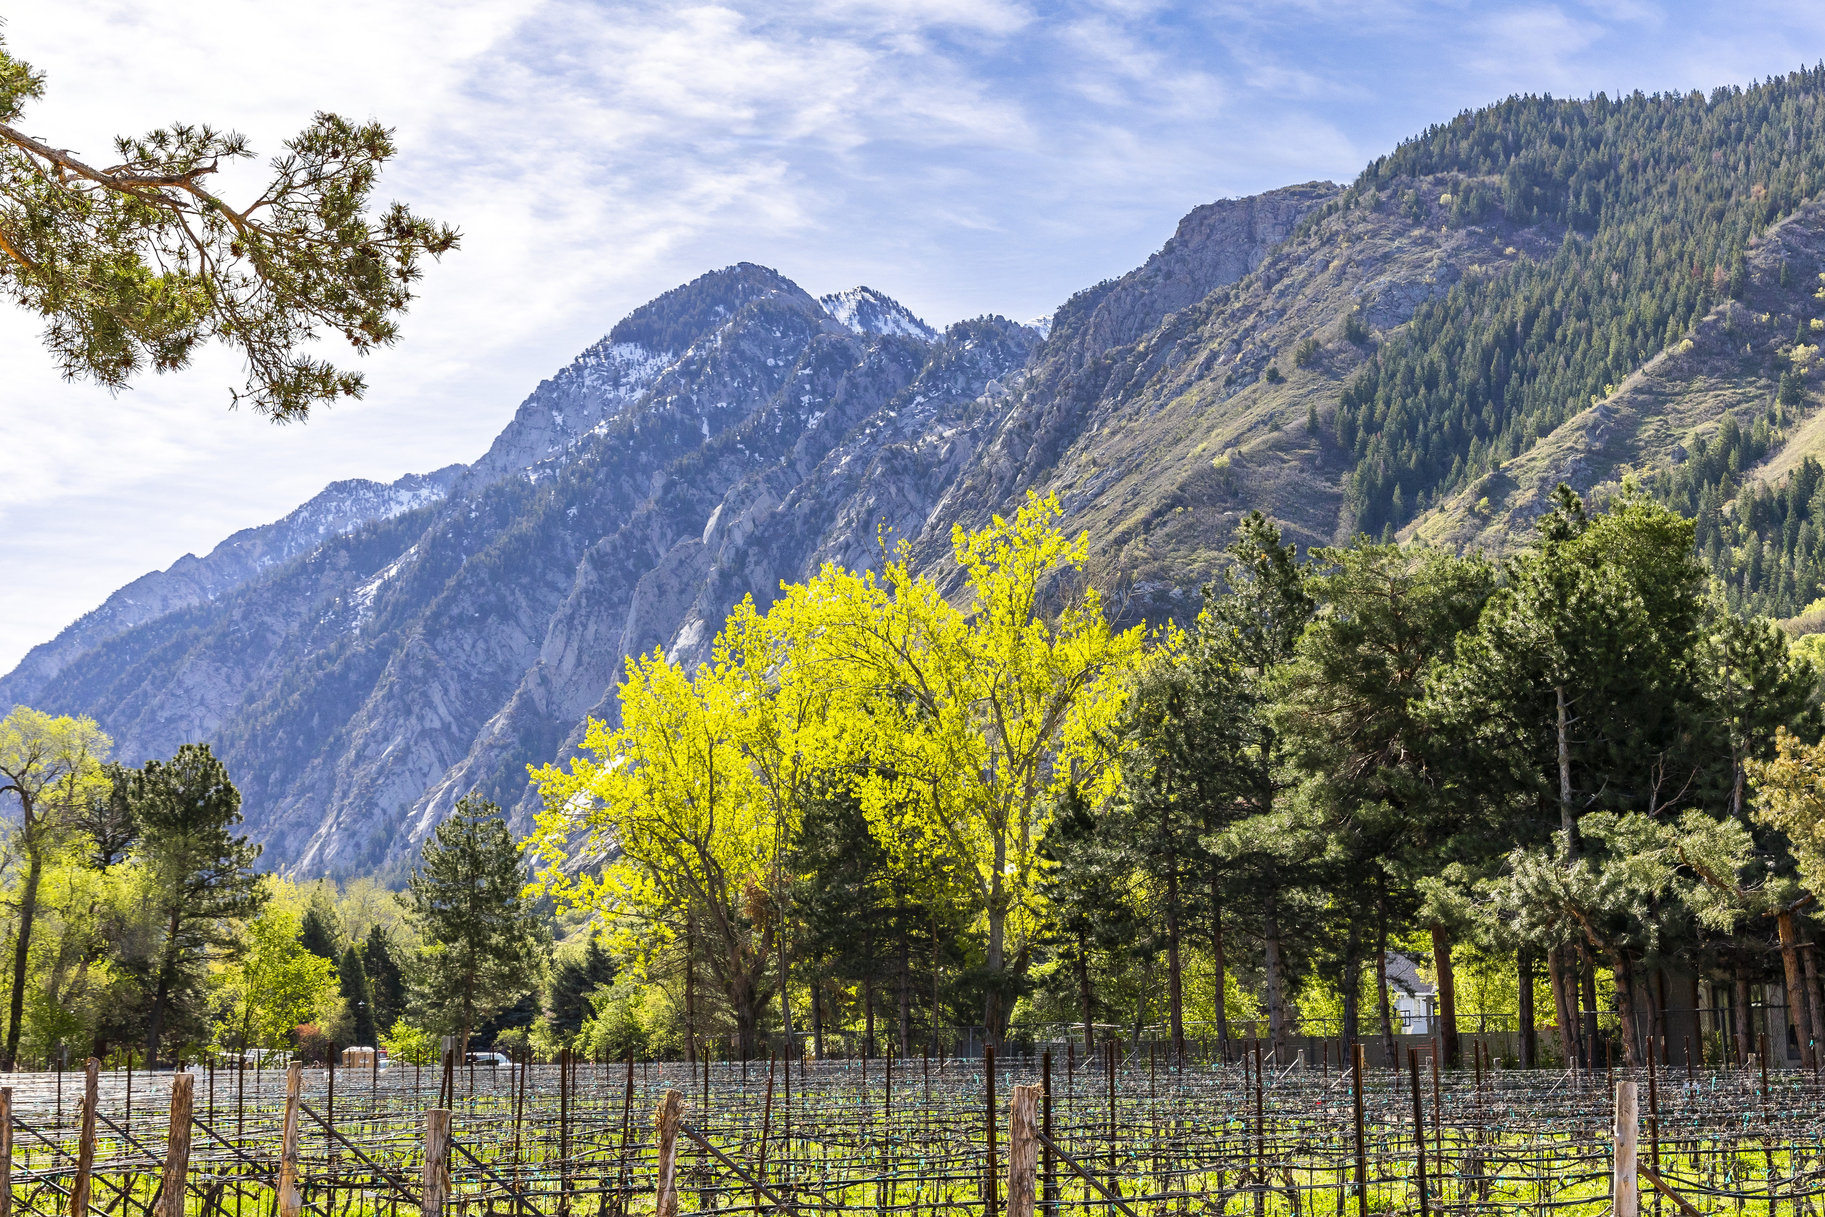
[(383, 650)]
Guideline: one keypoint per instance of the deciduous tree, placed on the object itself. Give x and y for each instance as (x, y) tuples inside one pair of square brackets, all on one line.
[(52, 767)]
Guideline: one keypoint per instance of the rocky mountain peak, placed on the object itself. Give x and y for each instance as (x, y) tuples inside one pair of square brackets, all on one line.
[(671, 323), (867, 311)]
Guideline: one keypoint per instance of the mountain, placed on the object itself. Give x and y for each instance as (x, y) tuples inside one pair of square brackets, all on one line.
[(1536, 292)]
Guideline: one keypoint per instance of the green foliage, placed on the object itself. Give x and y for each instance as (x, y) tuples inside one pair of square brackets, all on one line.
[(573, 982), (483, 947), (1306, 353), (274, 986), (1651, 202), (318, 932), (137, 265), (409, 1045), (386, 980), (357, 999), (199, 879)]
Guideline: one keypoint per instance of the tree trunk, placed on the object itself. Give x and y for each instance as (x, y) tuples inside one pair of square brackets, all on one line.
[(1447, 995), (1587, 979), (1659, 1043), (1221, 977), (785, 977), (1739, 1001), (745, 1003), (1140, 1005), (1381, 988), (1175, 991), (1524, 1007), (868, 1015), (155, 1019), (817, 1017), (22, 950), (905, 999), (1814, 1011), (1083, 993), (1352, 985), (1565, 1004), (1796, 985), (1625, 1010), (1275, 978), (996, 961)]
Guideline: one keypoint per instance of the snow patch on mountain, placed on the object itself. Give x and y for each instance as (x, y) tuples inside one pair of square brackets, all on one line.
[(867, 311)]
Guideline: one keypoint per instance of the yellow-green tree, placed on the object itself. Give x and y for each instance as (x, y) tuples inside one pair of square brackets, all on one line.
[(700, 790), (1790, 797), (975, 718), (52, 767), (275, 984)]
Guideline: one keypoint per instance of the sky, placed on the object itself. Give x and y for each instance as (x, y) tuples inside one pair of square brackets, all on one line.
[(963, 156)]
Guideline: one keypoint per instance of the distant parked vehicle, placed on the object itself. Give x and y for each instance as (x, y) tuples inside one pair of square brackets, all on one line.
[(265, 1058), (489, 1058)]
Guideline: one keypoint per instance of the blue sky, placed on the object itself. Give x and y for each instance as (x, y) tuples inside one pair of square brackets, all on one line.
[(965, 156)]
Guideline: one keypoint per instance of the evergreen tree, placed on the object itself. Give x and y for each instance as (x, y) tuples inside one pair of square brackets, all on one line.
[(138, 264), (1087, 886), (319, 933), (107, 818), (1395, 803), (481, 951), (200, 876), (572, 984), (1259, 845), (386, 981), (358, 997)]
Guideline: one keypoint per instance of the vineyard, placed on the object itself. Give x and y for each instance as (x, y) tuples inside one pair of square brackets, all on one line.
[(1120, 1135)]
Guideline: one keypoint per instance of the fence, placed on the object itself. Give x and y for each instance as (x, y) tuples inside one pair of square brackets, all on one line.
[(1120, 1135)]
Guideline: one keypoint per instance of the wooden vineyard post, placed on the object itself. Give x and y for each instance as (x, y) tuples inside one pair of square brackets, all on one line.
[(671, 1110), (1362, 1152), (85, 1148), (1625, 1194), (1023, 1150), (6, 1151), (291, 1195), (437, 1162), (177, 1146)]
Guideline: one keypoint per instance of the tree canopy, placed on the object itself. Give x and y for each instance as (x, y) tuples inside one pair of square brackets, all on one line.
[(134, 265)]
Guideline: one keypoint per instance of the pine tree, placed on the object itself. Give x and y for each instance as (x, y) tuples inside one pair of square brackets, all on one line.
[(138, 264), (352, 983), (572, 984), (481, 941), (1254, 627), (319, 933), (202, 877), (386, 982)]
